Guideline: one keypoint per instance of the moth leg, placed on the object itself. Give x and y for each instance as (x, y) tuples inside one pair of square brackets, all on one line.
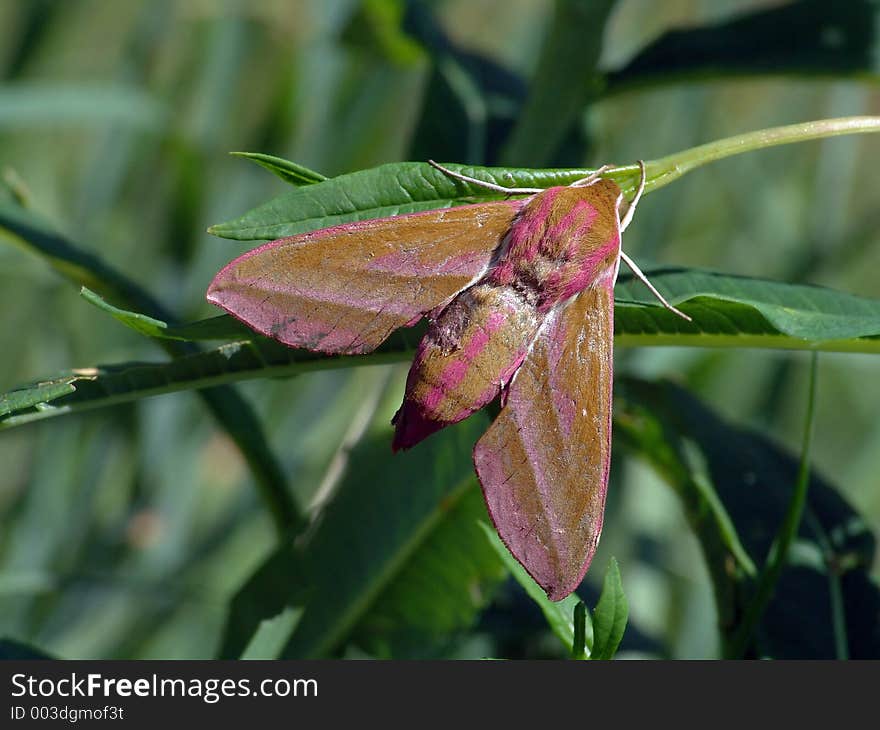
[(483, 183), (592, 177), (628, 216), (644, 279)]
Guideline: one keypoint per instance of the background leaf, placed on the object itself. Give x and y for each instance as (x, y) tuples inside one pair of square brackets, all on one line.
[(823, 38), (558, 96), (224, 403), (610, 615), (15, 650), (753, 479), (27, 105)]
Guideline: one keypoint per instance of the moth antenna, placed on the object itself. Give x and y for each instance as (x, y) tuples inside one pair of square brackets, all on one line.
[(627, 218), (592, 177), (644, 279), (483, 183)]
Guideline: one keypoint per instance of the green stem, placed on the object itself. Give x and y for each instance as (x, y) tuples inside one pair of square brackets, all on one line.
[(667, 169), (778, 555)]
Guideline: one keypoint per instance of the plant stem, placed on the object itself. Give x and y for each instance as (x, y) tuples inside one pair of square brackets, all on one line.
[(778, 554), (667, 169)]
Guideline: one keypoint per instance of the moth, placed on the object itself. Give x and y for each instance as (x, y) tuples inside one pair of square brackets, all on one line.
[(519, 297)]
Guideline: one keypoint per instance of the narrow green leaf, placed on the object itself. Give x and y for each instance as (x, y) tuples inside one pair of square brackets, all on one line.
[(579, 644), (610, 615), (288, 171), (106, 385), (727, 311), (223, 327), (559, 614), (39, 395), (391, 189), (565, 79), (809, 313), (142, 323)]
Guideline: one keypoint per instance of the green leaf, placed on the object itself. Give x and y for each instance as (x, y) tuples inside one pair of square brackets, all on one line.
[(579, 649), (610, 615), (823, 38), (106, 385), (39, 395), (223, 327), (288, 171), (727, 311), (741, 312), (559, 614), (440, 589), (391, 189), (389, 519)]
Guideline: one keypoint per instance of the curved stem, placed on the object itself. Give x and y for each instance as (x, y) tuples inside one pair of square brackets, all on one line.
[(666, 169)]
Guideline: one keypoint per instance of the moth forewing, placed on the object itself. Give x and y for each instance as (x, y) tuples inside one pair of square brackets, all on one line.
[(343, 290)]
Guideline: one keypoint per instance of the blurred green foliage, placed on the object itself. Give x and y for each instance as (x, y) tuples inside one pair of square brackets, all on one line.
[(139, 530)]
